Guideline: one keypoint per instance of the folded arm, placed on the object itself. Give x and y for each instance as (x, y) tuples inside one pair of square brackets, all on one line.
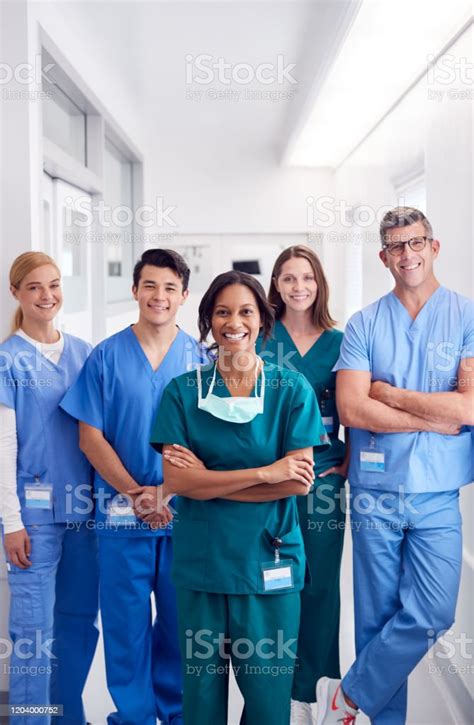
[(456, 407), (357, 409), (186, 475)]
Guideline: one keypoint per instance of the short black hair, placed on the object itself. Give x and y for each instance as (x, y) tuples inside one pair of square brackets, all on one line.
[(208, 302), (163, 258)]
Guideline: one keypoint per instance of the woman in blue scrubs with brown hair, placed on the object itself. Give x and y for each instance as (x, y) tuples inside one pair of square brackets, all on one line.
[(246, 432), (304, 339)]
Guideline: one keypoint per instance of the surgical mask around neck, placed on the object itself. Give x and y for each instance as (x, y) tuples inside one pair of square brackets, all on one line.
[(233, 409)]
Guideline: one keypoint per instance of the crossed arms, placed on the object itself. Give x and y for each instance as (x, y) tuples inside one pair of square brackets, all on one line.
[(382, 408)]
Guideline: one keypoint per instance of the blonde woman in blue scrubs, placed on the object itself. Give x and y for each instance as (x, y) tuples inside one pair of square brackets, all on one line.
[(304, 339), (238, 550), (45, 505)]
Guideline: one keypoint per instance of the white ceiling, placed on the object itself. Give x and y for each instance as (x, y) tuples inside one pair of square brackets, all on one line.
[(147, 44)]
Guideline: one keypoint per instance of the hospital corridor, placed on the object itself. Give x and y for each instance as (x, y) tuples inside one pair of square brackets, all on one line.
[(236, 362)]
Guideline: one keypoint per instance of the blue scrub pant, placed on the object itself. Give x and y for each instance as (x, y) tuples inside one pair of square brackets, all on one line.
[(55, 599), (407, 568), (142, 658)]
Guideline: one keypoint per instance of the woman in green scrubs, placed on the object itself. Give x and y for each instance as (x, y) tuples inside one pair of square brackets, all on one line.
[(245, 433), (304, 339)]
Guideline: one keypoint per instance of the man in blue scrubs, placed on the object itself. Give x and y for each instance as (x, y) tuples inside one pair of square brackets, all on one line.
[(115, 399), (405, 386)]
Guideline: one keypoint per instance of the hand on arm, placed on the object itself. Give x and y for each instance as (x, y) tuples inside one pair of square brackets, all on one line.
[(342, 469), (291, 475), (147, 500), (452, 408), (358, 410)]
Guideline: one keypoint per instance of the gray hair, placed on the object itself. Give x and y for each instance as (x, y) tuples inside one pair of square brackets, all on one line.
[(403, 216)]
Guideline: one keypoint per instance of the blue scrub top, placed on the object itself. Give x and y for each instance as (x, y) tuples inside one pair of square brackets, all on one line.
[(119, 393), (221, 545), (422, 355), (48, 439)]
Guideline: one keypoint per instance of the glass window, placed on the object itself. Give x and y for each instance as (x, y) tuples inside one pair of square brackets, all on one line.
[(118, 221), (64, 123)]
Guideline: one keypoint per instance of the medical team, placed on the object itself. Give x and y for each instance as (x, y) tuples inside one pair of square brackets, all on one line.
[(230, 451)]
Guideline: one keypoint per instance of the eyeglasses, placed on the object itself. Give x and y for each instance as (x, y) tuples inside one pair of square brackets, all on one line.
[(416, 244)]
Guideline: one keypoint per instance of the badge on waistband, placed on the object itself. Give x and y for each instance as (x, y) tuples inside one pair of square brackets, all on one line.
[(277, 574), (372, 458), (120, 511), (39, 495)]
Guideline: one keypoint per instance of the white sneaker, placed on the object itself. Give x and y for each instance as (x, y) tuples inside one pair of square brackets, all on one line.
[(301, 713), (332, 707)]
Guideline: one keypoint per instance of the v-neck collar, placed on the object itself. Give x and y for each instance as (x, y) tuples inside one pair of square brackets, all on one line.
[(159, 370), (253, 392), (57, 366), (281, 326), (414, 324)]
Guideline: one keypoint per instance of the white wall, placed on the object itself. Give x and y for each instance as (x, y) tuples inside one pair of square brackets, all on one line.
[(74, 29), (419, 133), (437, 135)]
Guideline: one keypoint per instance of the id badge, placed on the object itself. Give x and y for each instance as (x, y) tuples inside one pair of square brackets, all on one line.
[(278, 576), (39, 496), (328, 423), (120, 512), (372, 459)]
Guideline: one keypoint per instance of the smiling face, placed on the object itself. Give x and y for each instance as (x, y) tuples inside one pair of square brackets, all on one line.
[(236, 319), (39, 294), (296, 284), (411, 270), (159, 295)]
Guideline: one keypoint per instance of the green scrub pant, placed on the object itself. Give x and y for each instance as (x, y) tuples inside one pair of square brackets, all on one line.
[(260, 632), (322, 524)]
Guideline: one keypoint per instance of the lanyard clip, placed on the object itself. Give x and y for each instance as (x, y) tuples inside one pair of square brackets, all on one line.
[(276, 543), (372, 440)]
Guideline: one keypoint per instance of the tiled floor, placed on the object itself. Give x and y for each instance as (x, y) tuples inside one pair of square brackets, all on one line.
[(426, 706)]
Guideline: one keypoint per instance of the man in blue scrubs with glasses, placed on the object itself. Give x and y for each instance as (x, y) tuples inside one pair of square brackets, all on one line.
[(115, 399), (405, 387)]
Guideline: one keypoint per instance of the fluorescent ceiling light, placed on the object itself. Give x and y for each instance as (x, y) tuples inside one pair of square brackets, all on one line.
[(388, 46)]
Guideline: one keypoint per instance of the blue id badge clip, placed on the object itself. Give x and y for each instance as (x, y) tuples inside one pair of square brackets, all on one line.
[(372, 458), (38, 495), (120, 511), (277, 574)]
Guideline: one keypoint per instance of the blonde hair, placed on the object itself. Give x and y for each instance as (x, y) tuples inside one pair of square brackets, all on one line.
[(23, 265)]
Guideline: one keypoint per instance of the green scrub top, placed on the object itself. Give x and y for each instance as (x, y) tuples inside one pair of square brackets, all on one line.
[(219, 545), (316, 365)]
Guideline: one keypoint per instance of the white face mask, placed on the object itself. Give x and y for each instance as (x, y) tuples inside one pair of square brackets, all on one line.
[(236, 409)]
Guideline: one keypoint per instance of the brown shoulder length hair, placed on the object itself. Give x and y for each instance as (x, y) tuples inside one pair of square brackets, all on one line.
[(321, 317)]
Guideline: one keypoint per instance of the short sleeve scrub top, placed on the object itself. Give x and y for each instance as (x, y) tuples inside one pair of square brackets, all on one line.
[(221, 547)]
